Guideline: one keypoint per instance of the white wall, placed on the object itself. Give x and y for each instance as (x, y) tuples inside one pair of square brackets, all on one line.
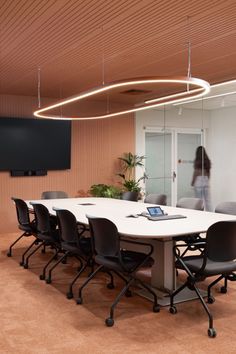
[(220, 127)]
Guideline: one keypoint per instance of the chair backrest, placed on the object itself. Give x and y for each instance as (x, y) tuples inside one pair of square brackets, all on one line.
[(221, 241), (42, 217), (67, 225), (22, 211), (105, 236), (226, 208), (132, 196), (54, 195), (156, 199), (190, 203)]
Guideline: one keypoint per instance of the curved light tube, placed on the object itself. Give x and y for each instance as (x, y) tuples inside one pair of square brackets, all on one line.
[(202, 85)]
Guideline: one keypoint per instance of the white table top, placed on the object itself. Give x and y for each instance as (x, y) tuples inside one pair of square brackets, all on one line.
[(117, 210)]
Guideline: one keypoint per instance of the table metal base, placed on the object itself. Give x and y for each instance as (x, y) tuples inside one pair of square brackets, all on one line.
[(164, 298)]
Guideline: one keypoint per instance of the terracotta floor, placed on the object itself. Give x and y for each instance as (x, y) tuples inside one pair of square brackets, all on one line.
[(36, 317)]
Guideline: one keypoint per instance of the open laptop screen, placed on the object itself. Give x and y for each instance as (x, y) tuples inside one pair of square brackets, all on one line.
[(155, 211)]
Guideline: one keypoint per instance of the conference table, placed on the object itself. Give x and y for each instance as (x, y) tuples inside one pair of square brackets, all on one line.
[(161, 234)]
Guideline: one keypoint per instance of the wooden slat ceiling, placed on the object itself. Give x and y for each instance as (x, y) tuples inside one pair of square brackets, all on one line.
[(78, 44)]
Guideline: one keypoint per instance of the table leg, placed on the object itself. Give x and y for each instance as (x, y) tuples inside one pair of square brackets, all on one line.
[(163, 275)]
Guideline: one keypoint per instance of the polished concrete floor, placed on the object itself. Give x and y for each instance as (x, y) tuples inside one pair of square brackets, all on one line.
[(36, 317)]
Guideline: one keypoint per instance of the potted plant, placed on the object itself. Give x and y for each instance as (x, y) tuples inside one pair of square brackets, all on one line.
[(131, 187), (105, 191)]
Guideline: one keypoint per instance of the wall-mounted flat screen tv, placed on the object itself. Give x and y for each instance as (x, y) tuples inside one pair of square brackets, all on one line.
[(34, 144)]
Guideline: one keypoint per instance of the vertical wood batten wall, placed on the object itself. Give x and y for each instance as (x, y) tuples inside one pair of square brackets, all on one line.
[(95, 148)]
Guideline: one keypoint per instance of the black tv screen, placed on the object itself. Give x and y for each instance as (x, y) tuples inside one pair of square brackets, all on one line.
[(34, 144)]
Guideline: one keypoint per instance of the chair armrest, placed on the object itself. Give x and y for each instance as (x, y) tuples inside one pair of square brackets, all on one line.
[(141, 244), (180, 257), (147, 255)]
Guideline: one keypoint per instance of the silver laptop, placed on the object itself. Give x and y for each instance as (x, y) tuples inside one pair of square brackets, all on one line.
[(156, 214)]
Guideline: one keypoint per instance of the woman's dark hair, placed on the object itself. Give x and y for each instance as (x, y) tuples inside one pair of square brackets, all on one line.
[(202, 160)]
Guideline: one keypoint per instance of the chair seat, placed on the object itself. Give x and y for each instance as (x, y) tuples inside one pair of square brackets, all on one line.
[(212, 267), (130, 259), (30, 228), (84, 246), (53, 237)]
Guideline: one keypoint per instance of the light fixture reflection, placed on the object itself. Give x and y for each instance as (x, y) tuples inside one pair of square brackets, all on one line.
[(202, 89)]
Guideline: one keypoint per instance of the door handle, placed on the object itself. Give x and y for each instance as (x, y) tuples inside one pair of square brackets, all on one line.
[(173, 176)]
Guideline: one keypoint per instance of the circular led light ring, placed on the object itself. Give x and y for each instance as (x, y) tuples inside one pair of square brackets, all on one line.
[(202, 85)]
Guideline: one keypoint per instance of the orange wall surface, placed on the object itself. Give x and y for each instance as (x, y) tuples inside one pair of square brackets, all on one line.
[(96, 146)]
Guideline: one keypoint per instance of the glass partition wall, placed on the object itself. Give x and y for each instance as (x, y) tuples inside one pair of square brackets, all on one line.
[(169, 136), (169, 161)]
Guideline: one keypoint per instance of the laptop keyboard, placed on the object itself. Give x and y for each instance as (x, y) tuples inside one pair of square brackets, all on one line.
[(165, 217)]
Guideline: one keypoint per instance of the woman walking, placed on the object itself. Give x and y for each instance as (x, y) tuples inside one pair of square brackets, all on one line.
[(201, 176)]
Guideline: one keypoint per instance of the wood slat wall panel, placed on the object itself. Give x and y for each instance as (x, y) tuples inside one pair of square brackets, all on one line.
[(96, 145)]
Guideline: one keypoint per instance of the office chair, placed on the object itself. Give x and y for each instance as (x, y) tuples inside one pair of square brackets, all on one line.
[(217, 258), (24, 224), (156, 199), (195, 204), (190, 203), (131, 196), (109, 256), (226, 208), (73, 244), (47, 234), (53, 195)]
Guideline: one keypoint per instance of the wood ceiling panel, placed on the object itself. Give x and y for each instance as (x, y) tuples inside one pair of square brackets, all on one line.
[(79, 44)]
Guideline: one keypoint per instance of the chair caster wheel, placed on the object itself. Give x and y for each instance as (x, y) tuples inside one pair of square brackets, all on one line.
[(48, 280), (156, 308), (8, 254), (128, 293), (21, 263), (79, 301), (109, 322), (110, 286), (69, 295), (42, 277), (210, 300), (26, 266), (173, 310), (223, 290), (211, 332)]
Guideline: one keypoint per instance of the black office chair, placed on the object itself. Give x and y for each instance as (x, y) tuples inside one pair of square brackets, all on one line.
[(226, 208), (54, 195), (24, 224), (159, 199), (217, 258), (109, 256), (73, 244), (47, 234)]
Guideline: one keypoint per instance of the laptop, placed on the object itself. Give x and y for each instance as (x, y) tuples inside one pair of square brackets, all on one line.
[(157, 213)]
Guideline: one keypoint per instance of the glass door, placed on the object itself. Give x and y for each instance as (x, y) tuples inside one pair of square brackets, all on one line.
[(158, 163), (186, 148), (169, 162)]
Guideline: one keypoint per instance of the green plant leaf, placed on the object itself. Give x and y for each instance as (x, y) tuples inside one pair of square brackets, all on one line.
[(104, 190), (128, 163)]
